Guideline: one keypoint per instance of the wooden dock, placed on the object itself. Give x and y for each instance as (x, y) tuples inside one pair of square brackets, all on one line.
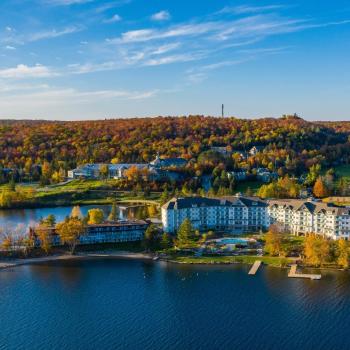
[(294, 274), (255, 267)]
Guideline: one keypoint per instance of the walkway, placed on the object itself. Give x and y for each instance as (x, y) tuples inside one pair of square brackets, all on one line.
[(294, 274), (255, 267)]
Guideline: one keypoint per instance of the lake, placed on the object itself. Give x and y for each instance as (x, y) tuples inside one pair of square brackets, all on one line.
[(128, 304), (21, 219)]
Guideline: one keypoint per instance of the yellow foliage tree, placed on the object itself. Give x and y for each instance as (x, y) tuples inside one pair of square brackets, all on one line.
[(273, 241), (343, 253), (95, 216), (44, 235), (320, 189), (69, 231), (316, 250)]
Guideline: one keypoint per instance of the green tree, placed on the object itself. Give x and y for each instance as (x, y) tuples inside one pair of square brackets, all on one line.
[(151, 237), (50, 220), (95, 216), (313, 174), (166, 241), (185, 234)]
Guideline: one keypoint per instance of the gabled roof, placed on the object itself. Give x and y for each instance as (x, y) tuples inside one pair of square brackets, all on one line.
[(229, 201), (311, 206)]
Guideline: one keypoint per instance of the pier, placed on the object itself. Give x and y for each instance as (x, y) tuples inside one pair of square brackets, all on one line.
[(255, 267), (294, 274)]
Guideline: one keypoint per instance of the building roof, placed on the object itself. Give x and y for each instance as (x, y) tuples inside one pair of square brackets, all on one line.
[(228, 201), (311, 206), (168, 162)]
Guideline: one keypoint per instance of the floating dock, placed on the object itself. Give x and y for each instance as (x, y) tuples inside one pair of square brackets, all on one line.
[(255, 267), (294, 274)]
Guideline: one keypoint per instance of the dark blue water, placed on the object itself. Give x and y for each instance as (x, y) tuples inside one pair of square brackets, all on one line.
[(123, 304)]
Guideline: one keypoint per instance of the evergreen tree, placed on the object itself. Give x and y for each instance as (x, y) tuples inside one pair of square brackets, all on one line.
[(151, 237), (76, 212), (113, 214), (166, 241), (164, 196), (185, 234)]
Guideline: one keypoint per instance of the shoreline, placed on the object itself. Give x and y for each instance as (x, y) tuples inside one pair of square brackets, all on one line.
[(6, 264)]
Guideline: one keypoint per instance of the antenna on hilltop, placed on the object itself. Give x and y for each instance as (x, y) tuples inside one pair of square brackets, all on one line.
[(222, 110)]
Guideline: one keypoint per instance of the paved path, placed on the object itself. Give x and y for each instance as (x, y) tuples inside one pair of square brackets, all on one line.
[(254, 268), (294, 274)]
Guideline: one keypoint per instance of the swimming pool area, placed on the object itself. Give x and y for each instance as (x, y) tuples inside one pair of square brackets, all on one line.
[(240, 241)]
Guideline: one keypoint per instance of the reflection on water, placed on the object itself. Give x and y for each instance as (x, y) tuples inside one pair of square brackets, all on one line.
[(126, 304), (21, 219)]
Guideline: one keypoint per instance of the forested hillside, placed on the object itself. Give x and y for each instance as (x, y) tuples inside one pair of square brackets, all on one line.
[(292, 145)]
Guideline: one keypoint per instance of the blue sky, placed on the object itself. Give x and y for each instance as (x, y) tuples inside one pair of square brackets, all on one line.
[(89, 59)]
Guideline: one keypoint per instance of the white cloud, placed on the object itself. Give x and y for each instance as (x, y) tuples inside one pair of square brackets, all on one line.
[(165, 48), (67, 2), (9, 47), (244, 9), (23, 71), (143, 35), (92, 67), (69, 95), (54, 33), (161, 16), (113, 19), (172, 59)]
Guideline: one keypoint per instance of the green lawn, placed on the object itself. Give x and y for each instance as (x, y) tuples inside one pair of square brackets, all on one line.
[(75, 192), (244, 259), (244, 185), (343, 171)]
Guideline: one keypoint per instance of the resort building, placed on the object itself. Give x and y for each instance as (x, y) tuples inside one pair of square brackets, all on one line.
[(245, 214), (93, 171), (158, 168), (300, 217), (238, 174), (161, 163), (265, 175), (229, 214), (122, 231)]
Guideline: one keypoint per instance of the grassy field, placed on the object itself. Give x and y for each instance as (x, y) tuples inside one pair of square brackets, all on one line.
[(243, 186), (244, 259), (343, 171), (75, 192)]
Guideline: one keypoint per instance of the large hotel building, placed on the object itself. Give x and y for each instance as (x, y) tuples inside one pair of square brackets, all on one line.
[(239, 214)]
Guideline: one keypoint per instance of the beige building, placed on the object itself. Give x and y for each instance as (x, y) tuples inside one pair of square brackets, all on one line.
[(300, 217), (238, 214)]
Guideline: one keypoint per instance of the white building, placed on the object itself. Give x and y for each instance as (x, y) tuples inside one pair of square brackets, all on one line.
[(300, 217), (230, 214), (242, 214), (92, 171)]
